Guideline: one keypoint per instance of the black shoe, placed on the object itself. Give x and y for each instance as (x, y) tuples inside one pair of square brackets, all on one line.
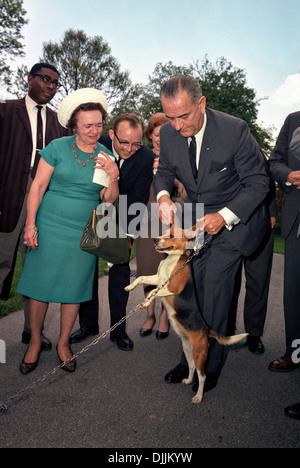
[(255, 344), (177, 374), (161, 335), (83, 333), (145, 331), (27, 367), (70, 365), (210, 382), (46, 343), (122, 339), (293, 411)]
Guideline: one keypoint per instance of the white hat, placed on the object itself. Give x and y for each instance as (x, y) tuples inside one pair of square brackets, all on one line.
[(75, 99)]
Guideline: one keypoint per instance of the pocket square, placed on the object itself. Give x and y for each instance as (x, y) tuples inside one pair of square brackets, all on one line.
[(222, 169)]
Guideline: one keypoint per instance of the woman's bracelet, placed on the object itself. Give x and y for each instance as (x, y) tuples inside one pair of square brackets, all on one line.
[(115, 180), (29, 228)]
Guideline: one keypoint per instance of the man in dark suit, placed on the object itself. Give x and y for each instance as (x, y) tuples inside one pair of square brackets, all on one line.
[(285, 169), (231, 182), (136, 165), (18, 162)]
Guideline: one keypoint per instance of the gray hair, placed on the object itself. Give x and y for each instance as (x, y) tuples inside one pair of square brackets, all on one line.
[(173, 86)]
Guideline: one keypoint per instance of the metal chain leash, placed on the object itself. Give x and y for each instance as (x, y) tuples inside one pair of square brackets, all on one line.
[(198, 247)]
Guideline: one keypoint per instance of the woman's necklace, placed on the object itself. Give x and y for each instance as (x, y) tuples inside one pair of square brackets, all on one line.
[(90, 158)]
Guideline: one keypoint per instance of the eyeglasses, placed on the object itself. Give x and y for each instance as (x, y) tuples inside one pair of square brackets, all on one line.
[(125, 144), (47, 80)]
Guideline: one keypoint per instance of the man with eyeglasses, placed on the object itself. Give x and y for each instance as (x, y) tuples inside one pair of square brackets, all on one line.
[(136, 166), (18, 163)]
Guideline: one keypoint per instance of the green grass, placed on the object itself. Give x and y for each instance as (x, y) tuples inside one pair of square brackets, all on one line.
[(15, 301), (278, 244)]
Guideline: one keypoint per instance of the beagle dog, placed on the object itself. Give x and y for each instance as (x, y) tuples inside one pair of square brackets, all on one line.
[(178, 296)]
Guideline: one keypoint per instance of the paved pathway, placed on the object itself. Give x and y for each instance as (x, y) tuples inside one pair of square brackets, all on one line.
[(119, 399)]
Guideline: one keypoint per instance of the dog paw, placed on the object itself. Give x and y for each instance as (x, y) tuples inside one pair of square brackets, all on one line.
[(187, 381), (197, 399), (128, 288)]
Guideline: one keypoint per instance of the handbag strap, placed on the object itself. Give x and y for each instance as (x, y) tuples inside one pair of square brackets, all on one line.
[(94, 215)]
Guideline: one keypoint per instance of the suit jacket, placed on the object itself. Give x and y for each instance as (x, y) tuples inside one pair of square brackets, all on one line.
[(135, 180), (231, 174), (284, 159), (15, 157)]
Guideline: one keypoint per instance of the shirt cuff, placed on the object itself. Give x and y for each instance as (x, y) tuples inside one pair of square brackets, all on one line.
[(161, 193), (230, 218)]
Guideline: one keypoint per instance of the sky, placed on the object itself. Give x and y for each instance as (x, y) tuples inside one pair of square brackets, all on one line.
[(262, 37)]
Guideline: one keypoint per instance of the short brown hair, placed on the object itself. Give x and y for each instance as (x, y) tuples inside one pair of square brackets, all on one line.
[(133, 120), (89, 106), (156, 120)]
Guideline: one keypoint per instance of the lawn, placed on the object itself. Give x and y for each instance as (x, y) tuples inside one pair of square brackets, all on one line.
[(15, 300)]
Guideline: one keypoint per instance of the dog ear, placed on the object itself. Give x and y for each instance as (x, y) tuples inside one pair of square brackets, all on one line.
[(173, 231)]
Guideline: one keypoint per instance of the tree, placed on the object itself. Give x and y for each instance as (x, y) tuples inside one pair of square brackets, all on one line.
[(86, 62), (149, 102), (224, 86), (12, 19)]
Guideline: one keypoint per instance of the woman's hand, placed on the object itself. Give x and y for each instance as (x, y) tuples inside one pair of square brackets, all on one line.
[(31, 237), (105, 162), (155, 165), (108, 165)]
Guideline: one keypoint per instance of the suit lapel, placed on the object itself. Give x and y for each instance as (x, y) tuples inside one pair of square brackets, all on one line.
[(23, 116), (49, 125)]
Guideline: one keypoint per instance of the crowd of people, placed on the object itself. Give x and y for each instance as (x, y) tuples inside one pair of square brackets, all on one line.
[(199, 156)]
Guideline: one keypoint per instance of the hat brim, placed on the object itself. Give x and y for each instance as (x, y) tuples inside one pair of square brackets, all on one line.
[(75, 99)]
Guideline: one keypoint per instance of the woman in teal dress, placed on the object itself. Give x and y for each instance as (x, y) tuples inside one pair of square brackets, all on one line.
[(60, 202)]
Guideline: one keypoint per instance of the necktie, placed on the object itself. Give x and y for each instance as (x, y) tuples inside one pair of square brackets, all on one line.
[(39, 134), (39, 140), (192, 152)]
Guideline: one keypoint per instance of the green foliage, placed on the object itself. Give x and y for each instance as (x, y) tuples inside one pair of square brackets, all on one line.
[(12, 19), (86, 62), (224, 86)]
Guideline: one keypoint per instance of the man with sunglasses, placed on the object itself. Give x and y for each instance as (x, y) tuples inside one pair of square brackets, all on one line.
[(18, 163), (136, 166)]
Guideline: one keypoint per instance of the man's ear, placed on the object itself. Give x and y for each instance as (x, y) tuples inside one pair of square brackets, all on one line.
[(111, 134)]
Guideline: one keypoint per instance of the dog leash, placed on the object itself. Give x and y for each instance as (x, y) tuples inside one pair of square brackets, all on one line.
[(197, 248)]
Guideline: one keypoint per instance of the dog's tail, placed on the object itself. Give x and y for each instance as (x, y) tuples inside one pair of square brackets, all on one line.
[(227, 340)]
